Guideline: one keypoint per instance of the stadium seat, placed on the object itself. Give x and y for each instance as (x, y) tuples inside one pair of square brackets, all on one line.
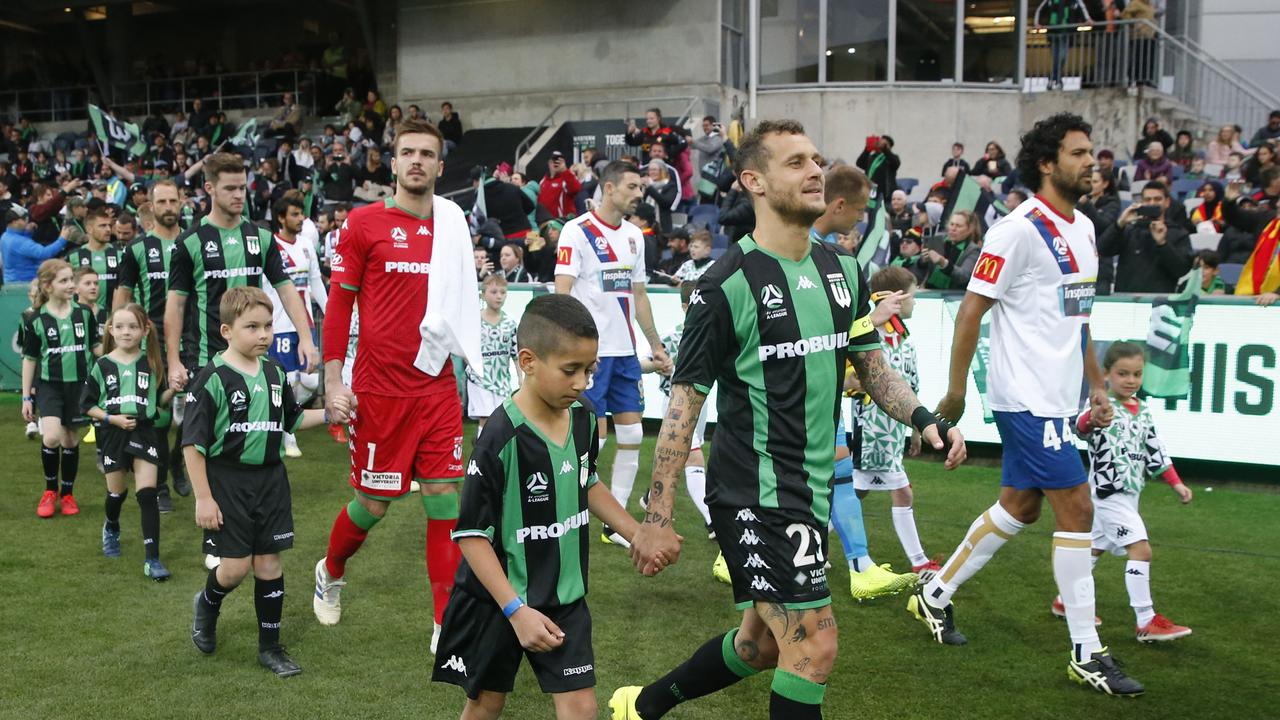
[(716, 252), (1212, 169), (1136, 186), (719, 241), (1121, 163), (679, 219), (1125, 203), (1205, 241), (1230, 272), (907, 184), (707, 216), (1192, 203), (1183, 187), (1178, 172)]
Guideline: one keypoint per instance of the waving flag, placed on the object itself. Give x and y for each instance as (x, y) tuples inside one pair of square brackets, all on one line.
[(247, 135), (873, 252), (1168, 369), (966, 194), (116, 133)]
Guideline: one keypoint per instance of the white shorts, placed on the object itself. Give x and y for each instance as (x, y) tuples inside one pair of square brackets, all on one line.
[(1117, 524), (699, 431), (480, 402), (880, 480)]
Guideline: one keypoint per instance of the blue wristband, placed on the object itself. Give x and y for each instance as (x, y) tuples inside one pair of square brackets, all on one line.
[(511, 607)]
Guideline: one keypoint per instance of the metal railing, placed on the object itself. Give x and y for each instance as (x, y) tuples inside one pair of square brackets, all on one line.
[(605, 109), (1137, 53)]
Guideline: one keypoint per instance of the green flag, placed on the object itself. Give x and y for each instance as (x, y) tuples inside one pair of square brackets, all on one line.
[(117, 134), (981, 358), (966, 194), (873, 252), (1168, 369), (247, 135)]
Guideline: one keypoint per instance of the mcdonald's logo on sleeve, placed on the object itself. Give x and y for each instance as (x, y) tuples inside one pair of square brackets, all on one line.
[(564, 254), (988, 268)]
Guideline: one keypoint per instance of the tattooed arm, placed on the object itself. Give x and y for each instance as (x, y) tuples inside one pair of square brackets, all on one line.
[(894, 395), (656, 539)]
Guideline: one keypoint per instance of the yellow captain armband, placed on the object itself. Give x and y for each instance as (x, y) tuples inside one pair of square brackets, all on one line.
[(861, 326)]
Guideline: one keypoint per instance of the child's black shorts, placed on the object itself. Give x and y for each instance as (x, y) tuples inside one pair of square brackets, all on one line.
[(117, 447), (479, 650), (257, 512), (60, 400)]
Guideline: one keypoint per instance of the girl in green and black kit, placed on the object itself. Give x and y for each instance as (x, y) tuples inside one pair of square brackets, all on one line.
[(59, 341), (126, 394)]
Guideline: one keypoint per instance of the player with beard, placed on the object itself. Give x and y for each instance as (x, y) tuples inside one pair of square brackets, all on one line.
[(144, 276), (407, 260), (771, 324), (1036, 276)]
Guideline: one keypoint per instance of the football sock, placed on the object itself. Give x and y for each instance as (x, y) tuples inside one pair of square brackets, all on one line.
[(214, 591), (49, 461), (443, 554), (268, 601), (114, 504), (626, 461), (1137, 578), (162, 459), (713, 667), (904, 522), (862, 563), (1073, 573), (349, 532), (795, 698), (70, 467), (150, 511), (695, 481), (846, 515), (986, 535)]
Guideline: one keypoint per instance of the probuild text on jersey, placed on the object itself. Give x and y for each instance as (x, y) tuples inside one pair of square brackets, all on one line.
[(804, 346)]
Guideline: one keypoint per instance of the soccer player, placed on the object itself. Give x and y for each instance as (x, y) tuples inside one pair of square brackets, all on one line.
[(238, 409), (1121, 457), (498, 348), (124, 393), (298, 256), (144, 278), (1036, 276), (99, 254), (58, 344), (523, 529), (407, 260), (600, 261), (771, 324)]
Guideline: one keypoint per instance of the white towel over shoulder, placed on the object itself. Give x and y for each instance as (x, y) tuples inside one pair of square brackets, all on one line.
[(451, 325)]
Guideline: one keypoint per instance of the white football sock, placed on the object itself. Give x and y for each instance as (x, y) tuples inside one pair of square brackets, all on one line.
[(1073, 572), (904, 522), (626, 461), (1137, 578), (986, 535), (695, 481)]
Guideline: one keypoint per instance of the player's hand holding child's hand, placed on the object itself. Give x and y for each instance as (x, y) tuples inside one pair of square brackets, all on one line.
[(1100, 409), (208, 514), (535, 631), (915, 444)]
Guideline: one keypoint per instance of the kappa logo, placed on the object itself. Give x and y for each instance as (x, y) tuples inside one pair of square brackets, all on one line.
[(696, 298), (473, 468), (1133, 571), (771, 297), (422, 230), (749, 537), (274, 594), (536, 483), (106, 460), (877, 480), (211, 249), (755, 562), (759, 583), (455, 664), (152, 452), (1122, 531), (745, 515), (840, 292), (805, 284), (210, 542), (232, 240), (566, 467)]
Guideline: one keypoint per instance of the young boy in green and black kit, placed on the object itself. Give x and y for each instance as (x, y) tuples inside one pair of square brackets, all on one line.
[(524, 527), (237, 412)]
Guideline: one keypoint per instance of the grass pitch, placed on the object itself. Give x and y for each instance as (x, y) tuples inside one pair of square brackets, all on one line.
[(85, 636)]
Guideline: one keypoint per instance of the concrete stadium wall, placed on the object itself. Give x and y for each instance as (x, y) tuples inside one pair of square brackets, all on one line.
[(1243, 33)]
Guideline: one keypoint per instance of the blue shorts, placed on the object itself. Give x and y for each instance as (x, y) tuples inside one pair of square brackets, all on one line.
[(284, 350), (615, 386), (1039, 453)]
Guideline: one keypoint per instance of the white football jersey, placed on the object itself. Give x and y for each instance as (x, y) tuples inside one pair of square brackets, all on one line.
[(1041, 269), (604, 262), (302, 266)]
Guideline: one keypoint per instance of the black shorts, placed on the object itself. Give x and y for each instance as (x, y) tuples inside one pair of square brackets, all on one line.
[(60, 400), (257, 512), (479, 650), (774, 556), (117, 447)]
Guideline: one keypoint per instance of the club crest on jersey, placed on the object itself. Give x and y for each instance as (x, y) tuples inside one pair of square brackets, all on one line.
[(79, 327), (632, 243), (583, 474), (111, 261), (275, 395), (144, 380), (457, 448), (251, 242), (839, 285)]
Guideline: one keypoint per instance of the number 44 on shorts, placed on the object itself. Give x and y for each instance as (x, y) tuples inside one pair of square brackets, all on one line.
[(1053, 439)]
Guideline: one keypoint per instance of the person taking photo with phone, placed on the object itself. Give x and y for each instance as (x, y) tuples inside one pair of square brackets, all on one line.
[(1153, 253)]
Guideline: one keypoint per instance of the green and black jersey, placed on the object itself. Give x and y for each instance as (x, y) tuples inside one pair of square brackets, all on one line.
[(62, 347), (240, 419), (527, 494), (120, 388), (775, 334), (144, 270), (105, 262), (207, 261)]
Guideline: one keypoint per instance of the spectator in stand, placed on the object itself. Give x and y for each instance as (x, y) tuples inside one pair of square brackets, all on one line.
[(450, 126), (215, 132), (1211, 283), (1222, 146), (1152, 253), (661, 191), (348, 107), (1210, 210), (20, 254), (658, 151), (880, 164), (993, 162), (9, 183), (1261, 275), (900, 211), (737, 216), (181, 130), (1107, 164), (559, 187), (338, 177), (708, 147), (950, 269), (909, 256), (1268, 132), (1151, 131), (677, 255), (1154, 165), (373, 179), (1058, 17), (654, 132), (199, 118), (503, 202), (1264, 157), (1183, 152), (484, 263), (1268, 194), (956, 160), (287, 120), (374, 103), (415, 113), (511, 260), (540, 251), (1237, 243), (394, 116), (49, 201), (1196, 171)]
